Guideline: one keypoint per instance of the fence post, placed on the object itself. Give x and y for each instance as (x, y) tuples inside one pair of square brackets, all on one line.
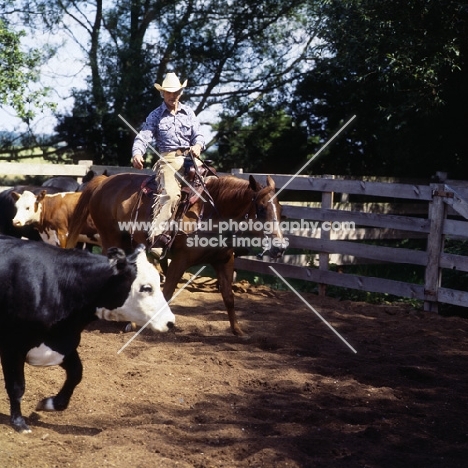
[(324, 257), (237, 170), (435, 246)]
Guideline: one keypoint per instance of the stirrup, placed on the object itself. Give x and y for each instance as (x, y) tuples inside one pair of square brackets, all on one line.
[(162, 240)]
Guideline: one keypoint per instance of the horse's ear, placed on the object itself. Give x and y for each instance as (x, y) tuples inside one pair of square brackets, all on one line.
[(270, 182), (253, 184)]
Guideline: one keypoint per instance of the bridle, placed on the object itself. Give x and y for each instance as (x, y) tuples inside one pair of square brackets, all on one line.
[(258, 215)]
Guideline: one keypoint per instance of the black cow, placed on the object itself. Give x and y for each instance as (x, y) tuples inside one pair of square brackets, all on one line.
[(47, 297), (64, 183)]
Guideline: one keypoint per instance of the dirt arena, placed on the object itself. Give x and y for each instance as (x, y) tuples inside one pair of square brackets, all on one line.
[(291, 395)]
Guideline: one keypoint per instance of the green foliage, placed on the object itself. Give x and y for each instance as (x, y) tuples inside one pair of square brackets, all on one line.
[(18, 69), (269, 143), (230, 52), (401, 67), (283, 76)]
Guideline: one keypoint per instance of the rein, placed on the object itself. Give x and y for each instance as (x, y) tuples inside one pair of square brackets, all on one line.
[(135, 212)]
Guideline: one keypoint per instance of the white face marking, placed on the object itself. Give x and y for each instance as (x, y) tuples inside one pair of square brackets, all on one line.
[(26, 213), (95, 240), (145, 301), (43, 356), (50, 236)]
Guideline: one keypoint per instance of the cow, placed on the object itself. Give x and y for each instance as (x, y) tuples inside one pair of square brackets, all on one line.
[(64, 183), (50, 215), (48, 295), (8, 211)]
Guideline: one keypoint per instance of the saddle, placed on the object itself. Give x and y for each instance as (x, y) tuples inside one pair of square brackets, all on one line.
[(195, 186), (193, 176)]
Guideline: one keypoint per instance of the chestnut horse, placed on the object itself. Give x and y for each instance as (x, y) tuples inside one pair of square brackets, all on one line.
[(121, 213)]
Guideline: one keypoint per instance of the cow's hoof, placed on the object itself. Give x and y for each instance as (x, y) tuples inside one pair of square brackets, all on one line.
[(23, 430), (47, 404), (21, 426), (130, 327)]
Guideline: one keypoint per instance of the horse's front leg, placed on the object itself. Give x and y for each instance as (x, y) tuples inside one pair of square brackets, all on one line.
[(174, 272), (225, 274), (74, 372), (13, 372)]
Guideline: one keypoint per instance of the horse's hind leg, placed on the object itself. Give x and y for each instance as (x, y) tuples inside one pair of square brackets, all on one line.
[(225, 274)]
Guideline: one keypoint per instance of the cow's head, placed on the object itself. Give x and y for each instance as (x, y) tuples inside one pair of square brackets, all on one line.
[(28, 206), (144, 303)]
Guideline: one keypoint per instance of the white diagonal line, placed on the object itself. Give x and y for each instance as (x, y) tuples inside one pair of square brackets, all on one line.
[(314, 156), (168, 302), (312, 309), (160, 156)]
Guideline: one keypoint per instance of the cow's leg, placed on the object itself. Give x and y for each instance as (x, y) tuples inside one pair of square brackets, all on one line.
[(13, 372), (225, 274), (74, 371), (62, 238)]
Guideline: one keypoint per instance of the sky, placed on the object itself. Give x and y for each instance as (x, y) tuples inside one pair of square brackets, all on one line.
[(61, 74), (64, 72)]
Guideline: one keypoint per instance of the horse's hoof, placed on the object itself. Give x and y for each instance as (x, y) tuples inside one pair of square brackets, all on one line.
[(129, 327), (237, 331)]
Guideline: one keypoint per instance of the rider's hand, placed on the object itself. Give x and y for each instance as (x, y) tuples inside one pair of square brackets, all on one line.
[(196, 150), (138, 161)]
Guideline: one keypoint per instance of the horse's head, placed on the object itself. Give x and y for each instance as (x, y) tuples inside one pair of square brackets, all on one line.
[(268, 212)]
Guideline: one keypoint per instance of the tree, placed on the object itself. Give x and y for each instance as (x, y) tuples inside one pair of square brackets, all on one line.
[(18, 70), (401, 67), (231, 52), (270, 143)]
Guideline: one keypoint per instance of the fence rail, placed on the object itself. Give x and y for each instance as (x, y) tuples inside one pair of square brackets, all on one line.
[(379, 208)]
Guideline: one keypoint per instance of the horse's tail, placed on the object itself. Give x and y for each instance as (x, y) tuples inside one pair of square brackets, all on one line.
[(81, 211)]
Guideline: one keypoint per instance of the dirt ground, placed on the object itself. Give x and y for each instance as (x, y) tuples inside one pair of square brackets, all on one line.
[(291, 395)]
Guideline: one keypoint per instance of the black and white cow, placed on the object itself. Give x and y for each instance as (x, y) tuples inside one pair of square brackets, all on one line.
[(47, 297)]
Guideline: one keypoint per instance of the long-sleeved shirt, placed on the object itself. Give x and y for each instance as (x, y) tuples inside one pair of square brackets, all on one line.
[(170, 132)]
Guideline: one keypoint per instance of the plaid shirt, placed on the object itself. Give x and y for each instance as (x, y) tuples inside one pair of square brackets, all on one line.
[(170, 132)]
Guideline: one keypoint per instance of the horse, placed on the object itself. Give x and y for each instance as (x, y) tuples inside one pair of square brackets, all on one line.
[(121, 212)]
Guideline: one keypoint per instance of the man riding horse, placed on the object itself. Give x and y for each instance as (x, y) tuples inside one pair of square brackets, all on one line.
[(176, 130)]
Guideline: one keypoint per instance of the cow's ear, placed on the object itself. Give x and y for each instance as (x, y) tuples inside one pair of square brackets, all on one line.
[(15, 196), (133, 257), (41, 196), (117, 258)]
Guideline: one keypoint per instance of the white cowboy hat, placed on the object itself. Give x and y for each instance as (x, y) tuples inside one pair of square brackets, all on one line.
[(171, 83)]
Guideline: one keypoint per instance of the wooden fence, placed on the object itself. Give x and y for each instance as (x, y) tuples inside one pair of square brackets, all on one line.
[(376, 209)]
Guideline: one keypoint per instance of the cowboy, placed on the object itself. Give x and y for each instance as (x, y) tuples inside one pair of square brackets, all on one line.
[(175, 129)]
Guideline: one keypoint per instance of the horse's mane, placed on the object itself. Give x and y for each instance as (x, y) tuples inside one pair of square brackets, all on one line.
[(228, 188)]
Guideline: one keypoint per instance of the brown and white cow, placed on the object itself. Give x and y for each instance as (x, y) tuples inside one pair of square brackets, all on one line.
[(50, 215)]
